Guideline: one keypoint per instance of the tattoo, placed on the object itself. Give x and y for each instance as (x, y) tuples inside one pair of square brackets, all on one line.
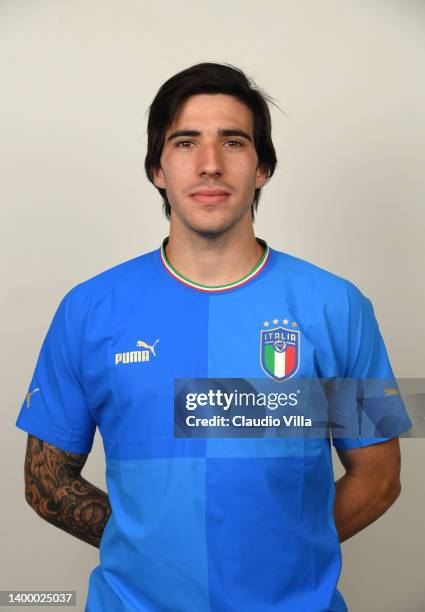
[(59, 494)]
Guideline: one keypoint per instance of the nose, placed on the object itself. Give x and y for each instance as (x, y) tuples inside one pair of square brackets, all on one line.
[(210, 160)]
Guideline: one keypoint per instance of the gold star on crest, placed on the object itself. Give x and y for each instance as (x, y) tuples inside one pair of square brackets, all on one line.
[(266, 323), (285, 321), (294, 324), (275, 321)]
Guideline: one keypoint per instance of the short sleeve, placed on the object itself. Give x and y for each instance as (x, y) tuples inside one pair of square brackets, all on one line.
[(367, 406), (55, 407)]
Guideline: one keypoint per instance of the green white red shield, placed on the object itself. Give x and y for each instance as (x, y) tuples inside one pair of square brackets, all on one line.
[(280, 352)]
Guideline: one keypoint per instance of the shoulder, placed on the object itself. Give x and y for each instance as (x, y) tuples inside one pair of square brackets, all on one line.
[(120, 280), (316, 283)]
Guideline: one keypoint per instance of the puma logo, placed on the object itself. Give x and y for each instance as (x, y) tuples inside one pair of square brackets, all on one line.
[(137, 356), (390, 391), (148, 346), (28, 397)]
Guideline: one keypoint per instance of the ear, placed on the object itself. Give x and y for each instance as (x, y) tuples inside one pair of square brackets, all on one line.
[(261, 176), (158, 177)]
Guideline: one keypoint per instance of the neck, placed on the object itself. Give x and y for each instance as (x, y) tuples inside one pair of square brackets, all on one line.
[(213, 260)]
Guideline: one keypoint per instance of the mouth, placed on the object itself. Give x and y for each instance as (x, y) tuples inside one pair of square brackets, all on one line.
[(210, 196)]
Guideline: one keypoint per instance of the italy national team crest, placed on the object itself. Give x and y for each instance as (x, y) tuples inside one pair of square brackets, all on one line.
[(280, 350)]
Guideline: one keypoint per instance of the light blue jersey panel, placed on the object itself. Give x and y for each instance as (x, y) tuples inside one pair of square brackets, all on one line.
[(206, 524), (271, 536)]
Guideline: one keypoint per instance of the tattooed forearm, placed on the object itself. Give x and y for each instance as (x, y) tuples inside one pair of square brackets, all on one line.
[(59, 494)]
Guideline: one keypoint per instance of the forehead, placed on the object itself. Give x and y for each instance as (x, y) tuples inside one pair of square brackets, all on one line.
[(213, 111)]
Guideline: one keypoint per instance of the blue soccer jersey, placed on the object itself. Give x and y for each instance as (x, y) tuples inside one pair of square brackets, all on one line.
[(206, 523)]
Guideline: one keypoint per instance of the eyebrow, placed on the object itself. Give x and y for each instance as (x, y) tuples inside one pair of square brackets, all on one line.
[(221, 131)]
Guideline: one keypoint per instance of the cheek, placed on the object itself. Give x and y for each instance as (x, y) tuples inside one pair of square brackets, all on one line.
[(246, 177), (177, 172), (244, 169)]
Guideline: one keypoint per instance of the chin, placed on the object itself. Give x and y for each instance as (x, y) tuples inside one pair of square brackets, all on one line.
[(211, 228), (209, 223)]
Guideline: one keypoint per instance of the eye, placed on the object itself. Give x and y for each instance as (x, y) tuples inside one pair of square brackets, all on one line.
[(232, 143), (235, 142), (183, 142)]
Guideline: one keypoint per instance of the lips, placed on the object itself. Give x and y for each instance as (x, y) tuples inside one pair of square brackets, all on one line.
[(210, 195)]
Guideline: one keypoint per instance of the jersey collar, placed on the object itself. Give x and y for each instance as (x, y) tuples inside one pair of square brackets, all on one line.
[(216, 288)]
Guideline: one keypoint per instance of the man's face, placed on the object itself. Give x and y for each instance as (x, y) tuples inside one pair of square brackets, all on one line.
[(209, 165)]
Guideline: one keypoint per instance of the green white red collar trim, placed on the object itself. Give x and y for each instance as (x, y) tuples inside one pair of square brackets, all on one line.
[(215, 288)]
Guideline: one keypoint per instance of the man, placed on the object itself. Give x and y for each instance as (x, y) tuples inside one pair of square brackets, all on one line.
[(196, 519)]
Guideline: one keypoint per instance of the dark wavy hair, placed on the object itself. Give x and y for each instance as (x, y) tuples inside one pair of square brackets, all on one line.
[(208, 77)]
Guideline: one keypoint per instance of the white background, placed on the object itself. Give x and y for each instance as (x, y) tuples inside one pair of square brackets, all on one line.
[(77, 78)]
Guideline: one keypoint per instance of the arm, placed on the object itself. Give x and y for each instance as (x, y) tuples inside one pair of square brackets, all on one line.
[(369, 487), (55, 489)]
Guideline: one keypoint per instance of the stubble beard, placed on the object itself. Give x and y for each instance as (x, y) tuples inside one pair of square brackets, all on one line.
[(205, 230)]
